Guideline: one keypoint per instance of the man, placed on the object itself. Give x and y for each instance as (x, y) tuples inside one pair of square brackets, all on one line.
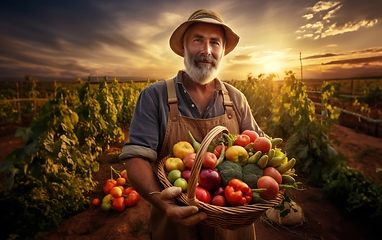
[(194, 100)]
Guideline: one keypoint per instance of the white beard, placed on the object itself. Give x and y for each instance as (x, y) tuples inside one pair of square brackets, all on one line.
[(201, 74)]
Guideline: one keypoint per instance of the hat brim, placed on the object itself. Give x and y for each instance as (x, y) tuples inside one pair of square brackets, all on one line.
[(176, 39)]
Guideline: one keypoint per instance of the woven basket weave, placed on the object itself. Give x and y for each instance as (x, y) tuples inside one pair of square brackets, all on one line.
[(221, 217)]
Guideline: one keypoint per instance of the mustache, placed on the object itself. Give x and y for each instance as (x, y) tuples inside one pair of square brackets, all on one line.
[(204, 58)]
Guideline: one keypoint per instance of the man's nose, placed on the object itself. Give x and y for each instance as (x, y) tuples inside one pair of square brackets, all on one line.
[(206, 48)]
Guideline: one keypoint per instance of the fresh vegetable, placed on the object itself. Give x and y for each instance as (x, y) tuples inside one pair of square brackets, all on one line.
[(106, 206), (174, 163), (96, 202), (181, 148), (124, 175), (116, 192), (195, 144), (219, 149), (219, 200), (127, 190), (242, 140), (189, 160), (173, 175), (202, 194), (262, 144), (210, 179), (272, 172), (220, 154), (237, 154), (286, 166), (121, 181), (257, 198), (253, 135), (229, 170), (276, 141), (107, 198), (186, 174), (110, 183), (270, 184), (255, 157), (182, 183), (238, 192), (251, 173), (119, 204), (263, 161), (209, 160), (132, 198)]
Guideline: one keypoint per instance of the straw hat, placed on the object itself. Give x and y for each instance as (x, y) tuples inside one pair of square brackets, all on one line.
[(204, 16)]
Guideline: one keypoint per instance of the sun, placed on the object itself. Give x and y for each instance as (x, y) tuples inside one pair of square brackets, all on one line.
[(272, 66)]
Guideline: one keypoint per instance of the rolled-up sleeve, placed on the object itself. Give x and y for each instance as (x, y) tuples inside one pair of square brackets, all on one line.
[(130, 151)]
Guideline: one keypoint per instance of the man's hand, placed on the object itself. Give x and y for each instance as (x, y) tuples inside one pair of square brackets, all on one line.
[(185, 215)]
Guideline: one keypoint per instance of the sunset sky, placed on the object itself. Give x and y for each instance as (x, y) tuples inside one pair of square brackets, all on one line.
[(129, 38)]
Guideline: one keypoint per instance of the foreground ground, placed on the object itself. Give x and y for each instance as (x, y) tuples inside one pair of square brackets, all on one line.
[(323, 220)]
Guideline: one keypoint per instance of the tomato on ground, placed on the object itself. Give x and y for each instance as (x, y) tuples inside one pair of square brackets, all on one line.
[(116, 192), (96, 202), (110, 183), (121, 181), (118, 204), (132, 198)]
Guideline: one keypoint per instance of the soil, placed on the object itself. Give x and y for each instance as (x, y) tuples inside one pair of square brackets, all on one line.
[(323, 220)]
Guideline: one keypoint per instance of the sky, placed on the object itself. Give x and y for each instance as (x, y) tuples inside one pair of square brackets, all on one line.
[(130, 38)]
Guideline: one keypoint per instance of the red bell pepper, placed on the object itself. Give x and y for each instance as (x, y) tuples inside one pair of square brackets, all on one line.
[(238, 192)]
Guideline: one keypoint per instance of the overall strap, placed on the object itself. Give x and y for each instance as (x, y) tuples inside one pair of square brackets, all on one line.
[(228, 105), (172, 99)]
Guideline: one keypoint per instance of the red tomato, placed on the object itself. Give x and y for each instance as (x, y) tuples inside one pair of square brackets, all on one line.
[(253, 135), (218, 150), (262, 144), (96, 202), (124, 175), (209, 160), (189, 160), (270, 184), (116, 192), (242, 140), (127, 190), (272, 172), (132, 198), (202, 195), (219, 200), (121, 181), (118, 204), (110, 183)]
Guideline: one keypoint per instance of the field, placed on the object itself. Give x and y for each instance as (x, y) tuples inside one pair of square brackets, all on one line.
[(324, 220), (73, 127)]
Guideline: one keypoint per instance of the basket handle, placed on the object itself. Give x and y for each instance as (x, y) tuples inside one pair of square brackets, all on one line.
[(195, 170)]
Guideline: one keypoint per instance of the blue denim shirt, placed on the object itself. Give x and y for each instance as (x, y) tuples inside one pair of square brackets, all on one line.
[(148, 126)]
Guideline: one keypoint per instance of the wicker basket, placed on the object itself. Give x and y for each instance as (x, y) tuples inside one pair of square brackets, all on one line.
[(221, 217)]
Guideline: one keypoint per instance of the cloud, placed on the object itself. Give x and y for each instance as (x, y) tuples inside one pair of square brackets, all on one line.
[(367, 60), (331, 18)]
